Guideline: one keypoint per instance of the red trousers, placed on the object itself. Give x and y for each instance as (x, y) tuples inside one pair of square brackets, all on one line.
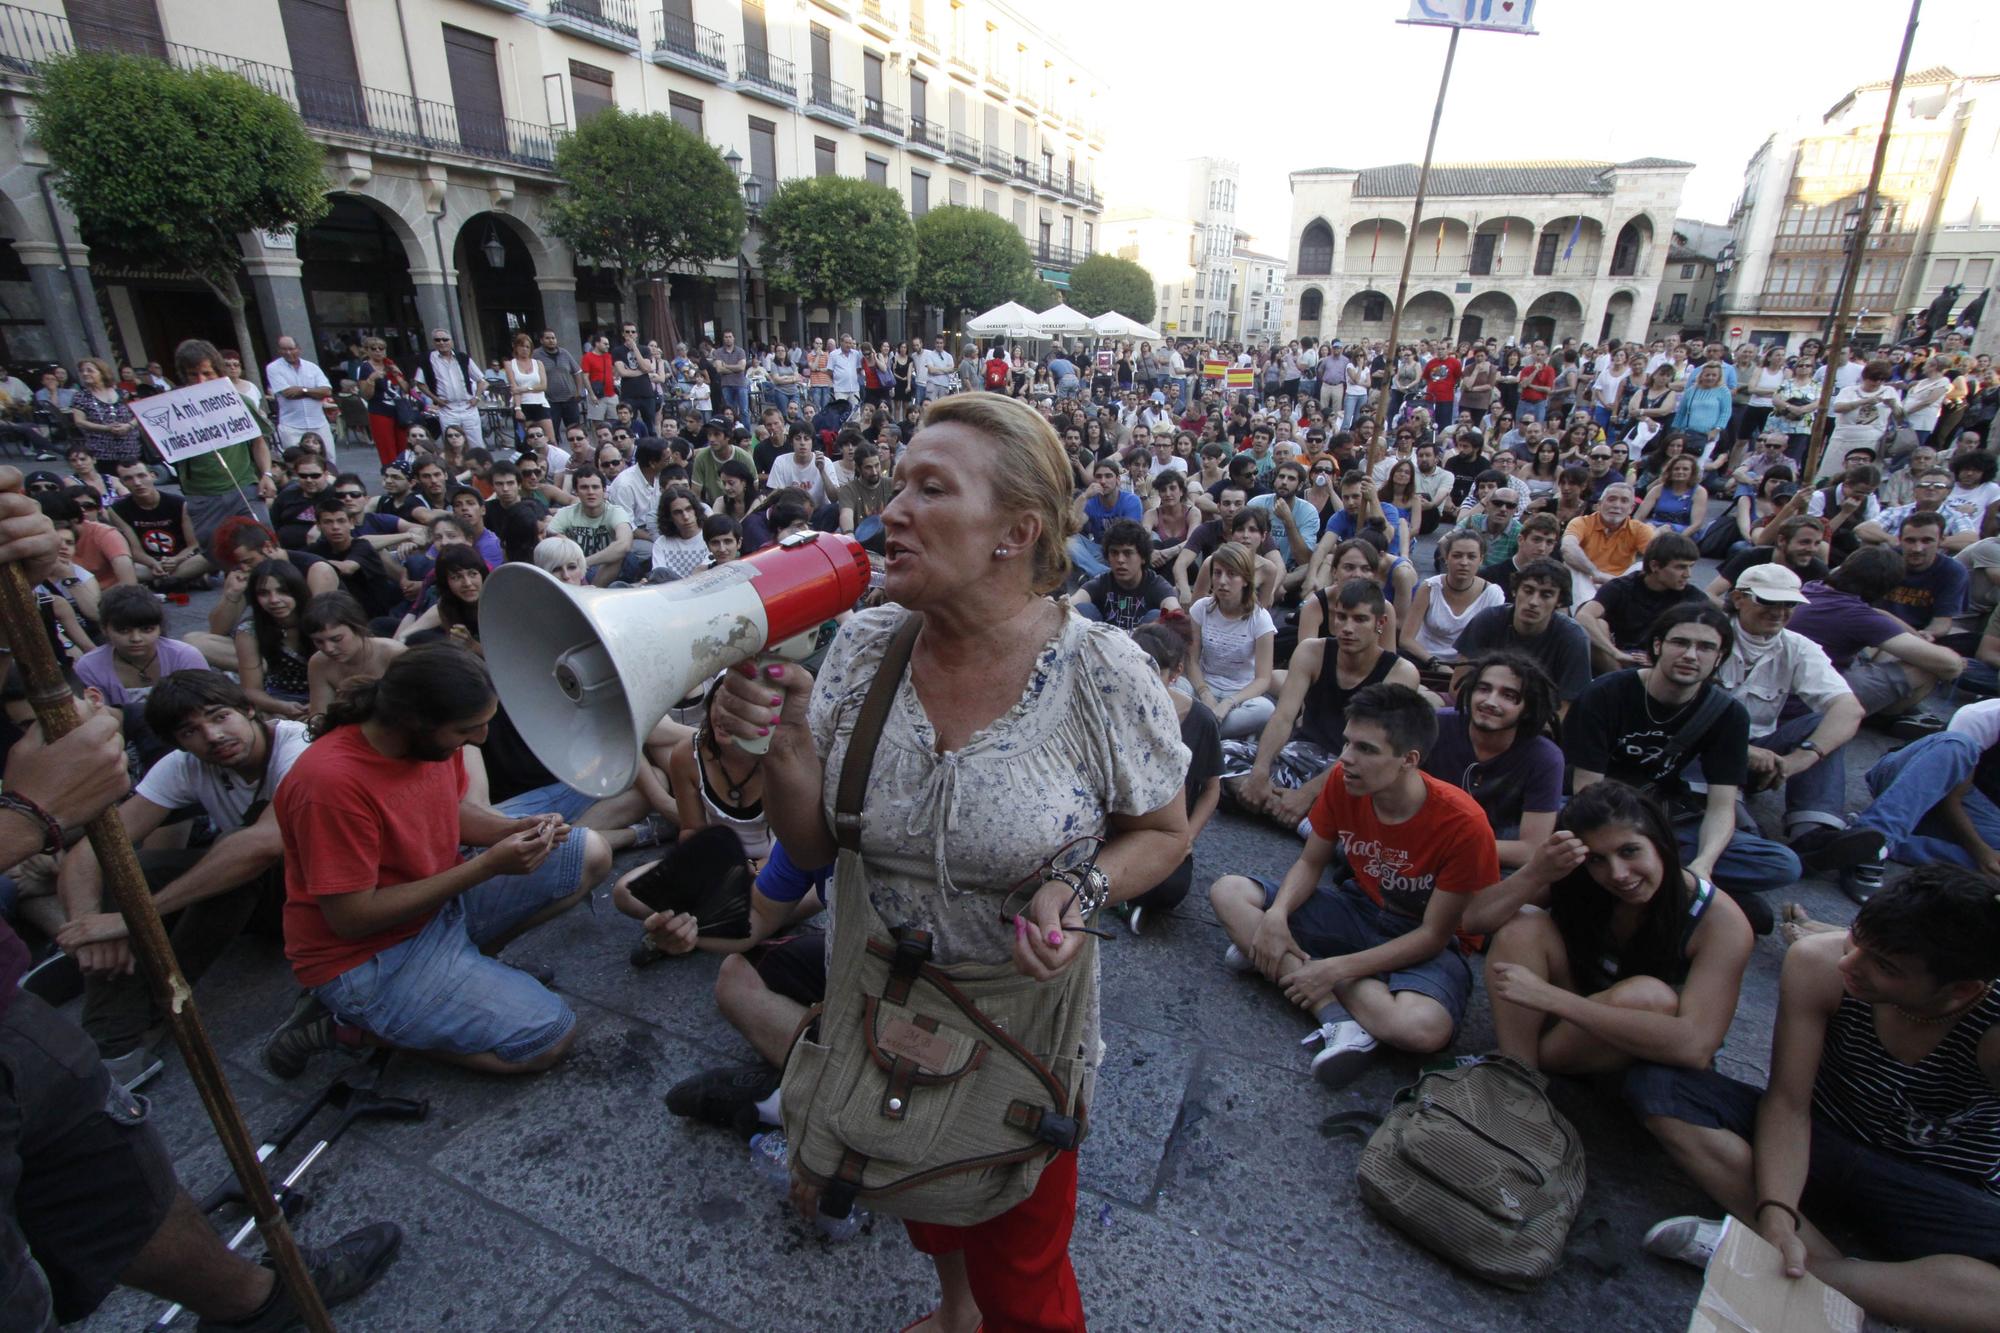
[(388, 435), (1018, 1262)]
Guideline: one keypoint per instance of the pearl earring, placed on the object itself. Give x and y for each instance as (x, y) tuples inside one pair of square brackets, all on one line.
[(1000, 553)]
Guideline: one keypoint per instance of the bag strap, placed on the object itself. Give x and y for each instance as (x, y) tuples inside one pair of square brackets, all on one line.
[(868, 733), (1713, 705)]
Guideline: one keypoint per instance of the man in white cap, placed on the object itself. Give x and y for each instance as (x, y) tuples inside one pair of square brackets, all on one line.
[(1768, 667)]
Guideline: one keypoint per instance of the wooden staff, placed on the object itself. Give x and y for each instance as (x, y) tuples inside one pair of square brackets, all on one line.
[(55, 709)]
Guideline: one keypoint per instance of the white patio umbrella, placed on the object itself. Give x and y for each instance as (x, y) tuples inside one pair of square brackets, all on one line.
[(1004, 320), (1060, 319), (1111, 324)]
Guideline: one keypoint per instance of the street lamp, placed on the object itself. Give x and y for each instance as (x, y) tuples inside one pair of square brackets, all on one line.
[(496, 253)]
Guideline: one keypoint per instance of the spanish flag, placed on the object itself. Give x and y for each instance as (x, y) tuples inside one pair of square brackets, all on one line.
[(1242, 377)]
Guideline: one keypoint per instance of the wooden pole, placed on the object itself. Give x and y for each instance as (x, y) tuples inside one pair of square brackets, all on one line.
[(1409, 251), (55, 708), (1857, 250)]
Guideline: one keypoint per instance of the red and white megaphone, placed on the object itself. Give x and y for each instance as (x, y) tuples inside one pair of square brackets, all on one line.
[(587, 673)]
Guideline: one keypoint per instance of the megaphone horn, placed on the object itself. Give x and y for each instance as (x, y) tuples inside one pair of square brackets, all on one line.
[(585, 674)]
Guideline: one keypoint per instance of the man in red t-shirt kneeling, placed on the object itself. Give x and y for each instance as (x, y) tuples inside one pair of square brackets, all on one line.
[(388, 927), (1375, 953)]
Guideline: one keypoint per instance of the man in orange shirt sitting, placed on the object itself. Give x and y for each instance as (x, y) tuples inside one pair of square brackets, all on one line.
[(1375, 957), (1600, 546)]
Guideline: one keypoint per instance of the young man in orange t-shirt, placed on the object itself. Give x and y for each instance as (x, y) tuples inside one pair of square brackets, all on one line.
[(1374, 954)]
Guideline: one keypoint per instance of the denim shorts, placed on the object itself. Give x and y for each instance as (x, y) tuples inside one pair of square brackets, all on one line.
[(1340, 919), (1903, 1208), (558, 798), (436, 992)]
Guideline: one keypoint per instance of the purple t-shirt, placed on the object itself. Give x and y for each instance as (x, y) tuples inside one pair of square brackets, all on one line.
[(1842, 623), (95, 668), (1526, 779)]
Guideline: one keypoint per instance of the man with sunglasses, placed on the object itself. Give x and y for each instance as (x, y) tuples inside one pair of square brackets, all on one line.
[(292, 509), (1499, 517), (455, 384), (635, 376)]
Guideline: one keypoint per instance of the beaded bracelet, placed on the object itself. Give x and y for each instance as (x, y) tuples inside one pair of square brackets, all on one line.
[(52, 834)]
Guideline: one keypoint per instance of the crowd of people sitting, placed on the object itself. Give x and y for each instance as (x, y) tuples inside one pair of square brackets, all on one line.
[(1538, 737)]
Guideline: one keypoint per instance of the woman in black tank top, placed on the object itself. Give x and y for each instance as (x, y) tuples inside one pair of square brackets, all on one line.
[(1634, 960)]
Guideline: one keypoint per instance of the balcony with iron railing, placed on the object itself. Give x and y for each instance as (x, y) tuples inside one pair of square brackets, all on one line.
[(920, 32), (881, 120), (613, 23), (764, 75), (30, 39), (997, 164), (1060, 256), (927, 137), (827, 99), (996, 81), (689, 47), (964, 148)]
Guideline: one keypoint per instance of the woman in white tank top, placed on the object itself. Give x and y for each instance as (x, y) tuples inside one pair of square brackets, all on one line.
[(1446, 603)]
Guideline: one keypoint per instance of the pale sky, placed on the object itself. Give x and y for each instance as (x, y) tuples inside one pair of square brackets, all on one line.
[(1263, 84)]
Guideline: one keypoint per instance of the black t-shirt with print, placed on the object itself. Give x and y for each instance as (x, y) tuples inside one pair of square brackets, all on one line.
[(1617, 729), (1126, 608), (158, 528)]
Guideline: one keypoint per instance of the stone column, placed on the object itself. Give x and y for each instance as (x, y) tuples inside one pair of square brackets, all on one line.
[(559, 311), (278, 287), (434, 304), (68, 301)]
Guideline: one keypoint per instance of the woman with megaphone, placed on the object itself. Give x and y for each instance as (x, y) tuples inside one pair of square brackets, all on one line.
[(1021, 768)]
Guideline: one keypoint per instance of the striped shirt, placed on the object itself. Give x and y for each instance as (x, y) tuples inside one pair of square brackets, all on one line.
[(1942, 1111)]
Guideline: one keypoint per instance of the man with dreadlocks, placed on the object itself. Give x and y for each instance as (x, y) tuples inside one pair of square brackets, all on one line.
[(1494, 746)]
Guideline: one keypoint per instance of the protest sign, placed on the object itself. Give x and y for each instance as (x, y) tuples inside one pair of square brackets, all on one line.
[(196, 420)]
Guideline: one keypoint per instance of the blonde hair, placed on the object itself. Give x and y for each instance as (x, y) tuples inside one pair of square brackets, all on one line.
[(1030, 470), (552, 553), (1238, 560), (107, 374)]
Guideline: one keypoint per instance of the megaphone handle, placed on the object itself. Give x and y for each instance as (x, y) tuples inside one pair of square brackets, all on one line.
[(791, 652)]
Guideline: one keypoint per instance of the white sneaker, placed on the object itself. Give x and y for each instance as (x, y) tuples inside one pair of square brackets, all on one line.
[(1691, 1240), (1135, 921), (1236, 960), (1347, 1051)]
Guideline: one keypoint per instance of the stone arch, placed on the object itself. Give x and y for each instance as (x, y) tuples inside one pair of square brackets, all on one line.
[(1315, 250), (497, 301), (1619, 314), (356, 267), (1503, 246), (1489, 315), (1375, 245), (1551, 317), (1589, 245), (1312, 310), (1365, 315), (1428, 314), (1442, 245), (1631, 247)]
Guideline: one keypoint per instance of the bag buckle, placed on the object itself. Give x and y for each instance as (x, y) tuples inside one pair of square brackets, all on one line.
[(1058, 1131), (913, 950)]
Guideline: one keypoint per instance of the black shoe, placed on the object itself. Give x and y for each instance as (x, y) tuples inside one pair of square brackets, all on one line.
[(55, 981), (306, 1031), (1912, 726), (725, 1098), (1837, 848), (341, 1271)]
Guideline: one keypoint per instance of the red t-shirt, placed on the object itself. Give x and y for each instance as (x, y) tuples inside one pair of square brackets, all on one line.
[(1447, 846), (1441, 378), (353, 819), (1536, 383), (597, 368)]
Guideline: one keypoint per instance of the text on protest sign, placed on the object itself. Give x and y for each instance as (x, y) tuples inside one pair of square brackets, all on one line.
[(1491, 15), (198, 419)]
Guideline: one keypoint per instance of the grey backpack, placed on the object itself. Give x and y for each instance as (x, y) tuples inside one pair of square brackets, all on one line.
[(1478, 1166)]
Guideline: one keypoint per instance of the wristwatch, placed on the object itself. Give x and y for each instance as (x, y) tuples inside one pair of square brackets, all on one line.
[(1812, 749)]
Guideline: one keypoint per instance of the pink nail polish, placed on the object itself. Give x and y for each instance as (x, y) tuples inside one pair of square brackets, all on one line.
[(763, 731), (777, 701), (1055, 937), (774, 671)]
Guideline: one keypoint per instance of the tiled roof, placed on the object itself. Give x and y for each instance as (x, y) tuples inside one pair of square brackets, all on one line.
[(1498, 178)]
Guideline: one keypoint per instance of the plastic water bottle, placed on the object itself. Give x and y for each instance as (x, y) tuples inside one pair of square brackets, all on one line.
[(770, 1160)]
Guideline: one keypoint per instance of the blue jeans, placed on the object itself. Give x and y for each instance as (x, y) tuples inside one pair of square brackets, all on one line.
[(819, 397), (738, 397), (1339, 919), (1750, 863), (781, 398), (1910, 784), (1815, 796), (437, 992), (1086, 556), (1532, 411), (1441, 413)]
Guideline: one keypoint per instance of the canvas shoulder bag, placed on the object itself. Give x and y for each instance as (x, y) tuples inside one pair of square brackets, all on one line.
[(937, 1094)]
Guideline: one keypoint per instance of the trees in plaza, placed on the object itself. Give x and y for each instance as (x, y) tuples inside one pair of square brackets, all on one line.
[(833, 240), (642, 195), (1106, 282), (220, 157), (969, 259)]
